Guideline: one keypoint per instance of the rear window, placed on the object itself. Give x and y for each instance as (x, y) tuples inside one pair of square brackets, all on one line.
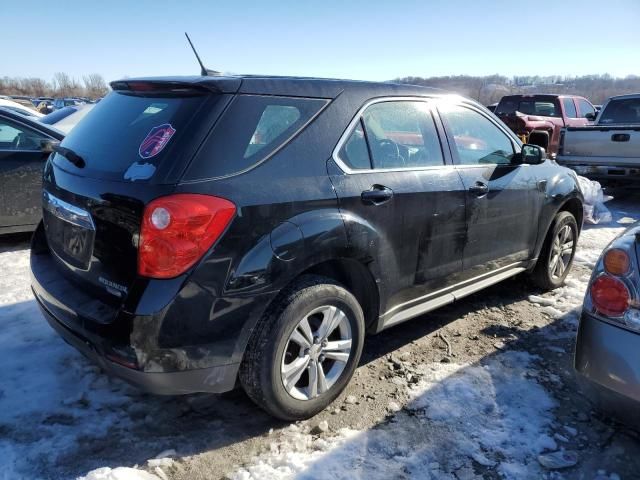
[(544, 107), (252, 129), (127, 137), (623, 111)]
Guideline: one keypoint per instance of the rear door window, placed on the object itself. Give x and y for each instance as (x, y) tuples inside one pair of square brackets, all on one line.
[(394, 135), (128, 137), (253, 128), (402, 134)]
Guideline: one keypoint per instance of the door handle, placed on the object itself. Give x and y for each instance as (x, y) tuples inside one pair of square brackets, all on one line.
[(377, 195), (620, 137), (479, 189)]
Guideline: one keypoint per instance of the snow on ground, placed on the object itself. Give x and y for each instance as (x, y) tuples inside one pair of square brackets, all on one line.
[(492, 414), (44, 383), (565, 302)]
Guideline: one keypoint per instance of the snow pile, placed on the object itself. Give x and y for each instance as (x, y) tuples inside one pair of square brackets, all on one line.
[(594, 210), (120, 473), (460, 416), (51, 397)]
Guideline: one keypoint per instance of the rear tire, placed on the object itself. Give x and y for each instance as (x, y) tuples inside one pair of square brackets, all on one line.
[(556, 257), (292, 367)]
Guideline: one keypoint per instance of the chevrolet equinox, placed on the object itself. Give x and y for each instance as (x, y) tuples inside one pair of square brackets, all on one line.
[(204, 232)]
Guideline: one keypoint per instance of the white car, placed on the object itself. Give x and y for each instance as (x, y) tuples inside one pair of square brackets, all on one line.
[(18, 108), (66, 118)]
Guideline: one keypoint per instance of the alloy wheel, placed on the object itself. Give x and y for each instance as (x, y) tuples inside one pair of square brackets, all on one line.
[(561, 252), (316, 353)]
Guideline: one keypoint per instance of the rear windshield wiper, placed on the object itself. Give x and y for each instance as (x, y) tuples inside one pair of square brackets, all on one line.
[(70, 155)]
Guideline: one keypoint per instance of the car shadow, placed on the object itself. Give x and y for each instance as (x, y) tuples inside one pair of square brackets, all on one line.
[(12, 242)]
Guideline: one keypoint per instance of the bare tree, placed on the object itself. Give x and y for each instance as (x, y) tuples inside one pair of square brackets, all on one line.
[(94, 85), (66, 86)]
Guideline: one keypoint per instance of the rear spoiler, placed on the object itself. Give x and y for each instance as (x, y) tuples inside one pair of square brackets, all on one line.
[(186, 86)]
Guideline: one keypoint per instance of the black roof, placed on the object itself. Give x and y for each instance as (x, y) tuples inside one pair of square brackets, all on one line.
[(292, 86)]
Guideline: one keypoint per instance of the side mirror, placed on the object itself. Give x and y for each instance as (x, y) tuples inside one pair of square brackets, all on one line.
[(591, 116), (46, 145), (532, 154)]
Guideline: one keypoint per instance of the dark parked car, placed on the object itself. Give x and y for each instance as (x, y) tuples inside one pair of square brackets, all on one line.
[(203, 232), (25, 144), (608, 344), (59, 103)]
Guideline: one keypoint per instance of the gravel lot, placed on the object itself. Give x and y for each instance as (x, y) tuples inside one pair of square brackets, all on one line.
[(478, 389)]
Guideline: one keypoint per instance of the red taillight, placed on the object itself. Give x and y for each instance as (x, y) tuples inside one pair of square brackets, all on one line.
[(177, 230), (610, 296)]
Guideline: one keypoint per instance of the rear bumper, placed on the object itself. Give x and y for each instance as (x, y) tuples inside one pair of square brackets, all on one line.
[(130, 344), (609, 355), (611, 172), (212, 379)]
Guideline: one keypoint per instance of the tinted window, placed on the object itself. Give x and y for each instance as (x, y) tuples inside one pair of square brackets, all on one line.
[(354, 152), (252, 128), (534, 105), (585, 108), (477, 140), (128, 132), (402, 135), (569, 108), (621, 111), (16, 137)]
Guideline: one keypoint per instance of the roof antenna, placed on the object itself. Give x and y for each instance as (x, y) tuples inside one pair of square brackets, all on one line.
[(203, 70)]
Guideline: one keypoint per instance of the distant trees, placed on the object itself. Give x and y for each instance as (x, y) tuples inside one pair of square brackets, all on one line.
[(492, 88), (486, 90), (94, 85), (62, 85)]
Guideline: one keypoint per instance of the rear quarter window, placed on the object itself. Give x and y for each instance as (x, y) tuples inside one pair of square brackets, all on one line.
[(253, 128)]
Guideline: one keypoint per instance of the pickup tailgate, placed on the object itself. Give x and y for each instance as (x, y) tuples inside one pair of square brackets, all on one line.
[(599, 145)]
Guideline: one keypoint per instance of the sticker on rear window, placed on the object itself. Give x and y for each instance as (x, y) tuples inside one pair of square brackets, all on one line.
[(156, 140)]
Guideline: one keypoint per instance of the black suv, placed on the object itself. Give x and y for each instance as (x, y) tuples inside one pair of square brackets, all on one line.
[(201, 232)]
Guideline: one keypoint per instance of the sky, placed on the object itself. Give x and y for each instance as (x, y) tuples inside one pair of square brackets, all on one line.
[(365, 40)]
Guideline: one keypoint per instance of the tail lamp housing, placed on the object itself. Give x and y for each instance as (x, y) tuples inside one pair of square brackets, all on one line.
[(613, 290), (610, 296), (177, 230)]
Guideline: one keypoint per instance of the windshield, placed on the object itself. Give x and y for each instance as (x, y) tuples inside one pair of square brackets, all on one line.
[(541, 106), (127, 137), (623, 111)]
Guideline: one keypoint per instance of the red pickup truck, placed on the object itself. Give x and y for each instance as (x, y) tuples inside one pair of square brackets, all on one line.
[(538, 119)]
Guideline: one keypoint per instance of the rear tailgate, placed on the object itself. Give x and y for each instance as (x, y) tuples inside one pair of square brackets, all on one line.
[(598, 145), (130, 149)]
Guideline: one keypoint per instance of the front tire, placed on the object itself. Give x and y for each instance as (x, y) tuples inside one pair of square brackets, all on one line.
[(304, 350), (557, 254)]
